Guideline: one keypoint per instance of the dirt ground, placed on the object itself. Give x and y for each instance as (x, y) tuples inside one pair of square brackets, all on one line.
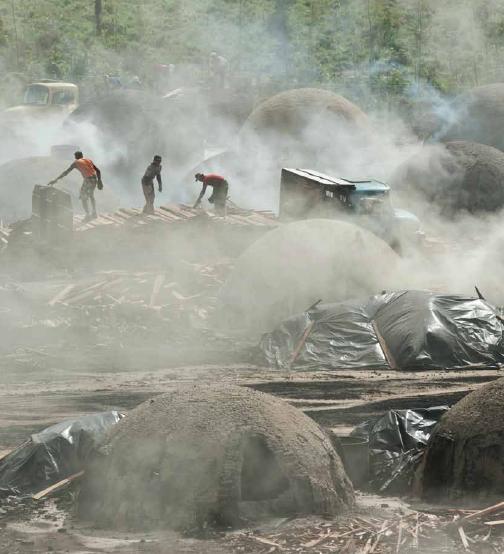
[(64, 360), (32, 400)]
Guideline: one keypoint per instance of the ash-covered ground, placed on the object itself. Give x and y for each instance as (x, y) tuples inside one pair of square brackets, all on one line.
[(117, 309)]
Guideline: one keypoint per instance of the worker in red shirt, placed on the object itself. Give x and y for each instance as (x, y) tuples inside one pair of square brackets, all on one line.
[(220, 191), (92, 179)]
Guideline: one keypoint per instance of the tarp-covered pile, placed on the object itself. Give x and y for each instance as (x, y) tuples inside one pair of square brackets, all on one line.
[(396, 443), (53, 454), (408, 330)]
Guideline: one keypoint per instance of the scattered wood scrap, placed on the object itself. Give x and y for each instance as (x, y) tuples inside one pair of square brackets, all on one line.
[(491, 510), (57, 486), (301, 343), (195, 282), (158, 283), (447, 531)]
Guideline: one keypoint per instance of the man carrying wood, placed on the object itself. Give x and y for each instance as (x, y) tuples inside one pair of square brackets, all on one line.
[(153, 170), (220, 191), (92, 179)]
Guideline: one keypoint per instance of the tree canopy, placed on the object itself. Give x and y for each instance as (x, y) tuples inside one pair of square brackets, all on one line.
[(387, 46)]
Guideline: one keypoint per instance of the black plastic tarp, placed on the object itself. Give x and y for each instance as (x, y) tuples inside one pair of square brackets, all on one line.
[(53, 454), (409, 330), (395, 445)]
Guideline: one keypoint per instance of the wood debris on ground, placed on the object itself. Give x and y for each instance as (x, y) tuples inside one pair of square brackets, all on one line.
[(127, 302), (150, 289), (446, 531), (114, 316)]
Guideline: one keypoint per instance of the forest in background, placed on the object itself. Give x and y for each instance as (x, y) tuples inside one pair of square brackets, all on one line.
[(391, 48)]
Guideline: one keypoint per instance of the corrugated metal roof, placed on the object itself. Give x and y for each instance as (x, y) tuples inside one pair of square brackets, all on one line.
[(320, 177), (370, 186), (324, 179)]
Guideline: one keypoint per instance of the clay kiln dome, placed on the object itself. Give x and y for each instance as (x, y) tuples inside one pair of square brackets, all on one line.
[(290, 111), (291, 267), (456, 176), (211, 455), (465, 453), (303, 128), (479, 116)]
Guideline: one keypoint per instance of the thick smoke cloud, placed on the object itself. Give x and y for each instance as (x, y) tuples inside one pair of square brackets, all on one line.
[(182, 126)]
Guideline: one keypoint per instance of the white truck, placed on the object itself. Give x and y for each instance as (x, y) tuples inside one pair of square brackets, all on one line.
[(46, 98)]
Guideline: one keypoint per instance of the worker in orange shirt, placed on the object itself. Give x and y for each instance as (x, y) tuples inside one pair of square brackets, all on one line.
[(92, 180)]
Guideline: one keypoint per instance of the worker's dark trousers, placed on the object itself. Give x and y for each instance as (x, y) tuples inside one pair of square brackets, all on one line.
[(87, 195), (220, 208), (219, 199), (148, 190)]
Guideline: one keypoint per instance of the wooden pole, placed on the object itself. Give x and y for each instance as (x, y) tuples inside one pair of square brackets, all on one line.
[(301, 343), (386, 352), (98, 13), (16, 39)]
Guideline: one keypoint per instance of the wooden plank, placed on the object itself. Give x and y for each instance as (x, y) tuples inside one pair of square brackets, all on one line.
[(480, 513), (57, 486), (128, 211), (267, 542), (113, 218), (169, 214), (166, 216), (399, 537), (90, 291), (61, 295), (318, 540), (463, 538), (301, 343), (85, 292), (185, 212), (497, 522), (158, 283), (189, 210), (4, 453), (121, 216), (179, 214), (386, 352)]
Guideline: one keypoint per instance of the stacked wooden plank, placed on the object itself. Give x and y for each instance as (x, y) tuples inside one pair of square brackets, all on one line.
[(4, 236), (172, 213)]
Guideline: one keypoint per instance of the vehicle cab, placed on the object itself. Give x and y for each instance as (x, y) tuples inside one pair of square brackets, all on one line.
[(48, 97), (307, 194)]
